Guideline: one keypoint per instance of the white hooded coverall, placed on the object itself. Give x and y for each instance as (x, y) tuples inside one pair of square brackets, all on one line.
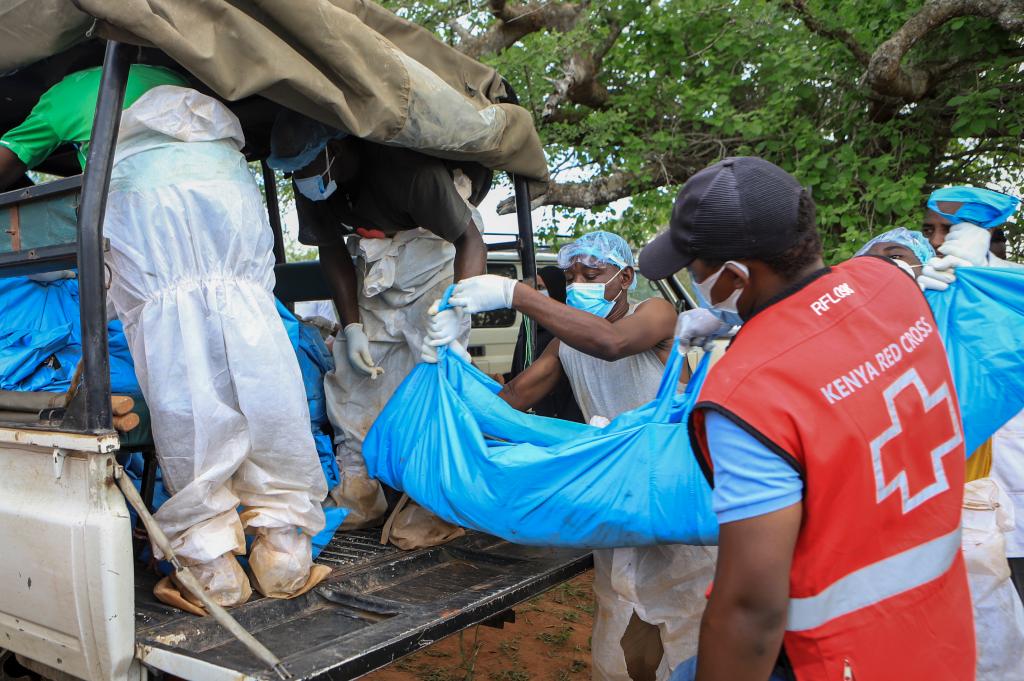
[(192, 280)]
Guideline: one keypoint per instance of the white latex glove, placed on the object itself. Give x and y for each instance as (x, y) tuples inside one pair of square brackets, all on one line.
[(444, 326), (358, 348), (968, 242), (929, 283), (695, 327), (483, 293), (938, 273), (598, 421), (428, 353)]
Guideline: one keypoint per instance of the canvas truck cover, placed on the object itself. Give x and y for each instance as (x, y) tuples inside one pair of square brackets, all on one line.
[(348, 63)]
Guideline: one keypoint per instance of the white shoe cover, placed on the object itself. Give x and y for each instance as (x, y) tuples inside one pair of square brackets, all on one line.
[(280, 561), (223, 580)]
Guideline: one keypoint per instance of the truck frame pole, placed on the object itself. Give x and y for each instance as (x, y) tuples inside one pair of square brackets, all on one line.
[(273, 211), (528, 256), (527, 252), (91, 268)]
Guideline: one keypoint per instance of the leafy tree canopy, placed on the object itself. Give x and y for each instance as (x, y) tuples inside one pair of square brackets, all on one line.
[(872, 103)]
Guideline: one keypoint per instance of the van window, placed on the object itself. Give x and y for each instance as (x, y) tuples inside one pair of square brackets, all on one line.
[(644, 289), (498, 319)]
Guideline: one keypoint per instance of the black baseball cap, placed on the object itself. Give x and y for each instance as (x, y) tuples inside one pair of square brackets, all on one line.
[(741, 207)]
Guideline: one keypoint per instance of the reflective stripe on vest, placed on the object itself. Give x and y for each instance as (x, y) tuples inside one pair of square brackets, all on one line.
[(876, 582)]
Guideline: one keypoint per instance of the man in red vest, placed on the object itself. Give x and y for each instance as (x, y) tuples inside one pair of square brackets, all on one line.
[(831, 434)]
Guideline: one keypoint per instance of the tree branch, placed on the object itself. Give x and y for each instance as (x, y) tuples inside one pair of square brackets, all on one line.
[(885, 72), (815, 25), (514, 22), (579, 83), (659, 171), (600, 191)]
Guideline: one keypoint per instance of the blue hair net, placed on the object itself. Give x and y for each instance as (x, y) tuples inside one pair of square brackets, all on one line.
[(595, 249), (982, 207), (915, 241), (296, 140)]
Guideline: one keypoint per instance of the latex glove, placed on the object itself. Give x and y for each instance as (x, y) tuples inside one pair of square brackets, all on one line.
[(598, 421), (358, 348), (968, 242), (483, 293), (444, 326), (928, 283), (947, 265), (428, 353), (695, 327), (937, 274)]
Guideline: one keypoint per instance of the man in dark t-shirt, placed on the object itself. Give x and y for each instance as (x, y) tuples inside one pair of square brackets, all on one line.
[(346, 185)]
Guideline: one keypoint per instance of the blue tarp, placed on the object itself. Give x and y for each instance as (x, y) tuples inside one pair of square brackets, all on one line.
[(315, 361), (459, 450), (981, 321), (40, 338)]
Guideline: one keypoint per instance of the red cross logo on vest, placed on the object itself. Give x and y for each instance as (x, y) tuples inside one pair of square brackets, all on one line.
[(888, 484)]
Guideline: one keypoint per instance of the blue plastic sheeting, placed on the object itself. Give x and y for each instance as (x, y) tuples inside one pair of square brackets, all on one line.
[(315, 361), (983, 207), (41, 338), (981, 321), (334, 517), (459, 450)]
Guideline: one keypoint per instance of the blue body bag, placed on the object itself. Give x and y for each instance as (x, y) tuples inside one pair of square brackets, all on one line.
[(459, 450), (981, 321)]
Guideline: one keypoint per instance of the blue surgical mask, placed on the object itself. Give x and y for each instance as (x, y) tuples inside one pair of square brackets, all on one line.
[(725, 310), (313, 188), (590, 297)]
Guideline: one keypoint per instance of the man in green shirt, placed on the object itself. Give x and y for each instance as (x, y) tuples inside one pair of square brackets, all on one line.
[(64, 114)]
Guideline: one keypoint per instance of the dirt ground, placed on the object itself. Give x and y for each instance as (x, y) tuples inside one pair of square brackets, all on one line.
[(549, 641)]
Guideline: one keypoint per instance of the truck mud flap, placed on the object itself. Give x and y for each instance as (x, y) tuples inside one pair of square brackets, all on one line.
[(378, 605)]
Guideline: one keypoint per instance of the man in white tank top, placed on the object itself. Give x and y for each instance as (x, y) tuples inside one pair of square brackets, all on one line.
[(649, 599)]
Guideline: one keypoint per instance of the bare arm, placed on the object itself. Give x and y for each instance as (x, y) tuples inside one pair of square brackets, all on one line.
[(11, 168), (741, 631), (539, 379), (340, 273), (470, 253), (652, 323)]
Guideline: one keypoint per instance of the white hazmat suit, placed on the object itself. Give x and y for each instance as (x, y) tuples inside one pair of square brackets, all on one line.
[(192, 280)]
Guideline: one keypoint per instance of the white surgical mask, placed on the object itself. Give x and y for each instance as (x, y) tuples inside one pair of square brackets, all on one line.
[(726, 309), (906, 267), (313, 188)]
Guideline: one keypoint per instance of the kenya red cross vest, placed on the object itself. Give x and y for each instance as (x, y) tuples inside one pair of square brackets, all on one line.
[(847, 380)]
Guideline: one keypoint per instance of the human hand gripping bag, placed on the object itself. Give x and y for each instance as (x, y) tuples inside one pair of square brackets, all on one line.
[(459, 450)]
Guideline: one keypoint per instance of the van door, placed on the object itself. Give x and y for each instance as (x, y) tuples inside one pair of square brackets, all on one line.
[(492, 342)]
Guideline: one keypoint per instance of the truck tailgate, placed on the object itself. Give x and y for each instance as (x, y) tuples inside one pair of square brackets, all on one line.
[(379, 604)]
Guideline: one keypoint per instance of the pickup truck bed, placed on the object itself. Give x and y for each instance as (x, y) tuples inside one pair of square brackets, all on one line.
[(379, 604)]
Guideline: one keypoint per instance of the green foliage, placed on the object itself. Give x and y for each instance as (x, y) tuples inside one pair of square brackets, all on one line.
[(293, 250), (692, 81)]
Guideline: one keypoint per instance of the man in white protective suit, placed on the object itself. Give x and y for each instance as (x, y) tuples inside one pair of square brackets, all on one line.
[(192, 279), (649, 599), (393, 228)]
